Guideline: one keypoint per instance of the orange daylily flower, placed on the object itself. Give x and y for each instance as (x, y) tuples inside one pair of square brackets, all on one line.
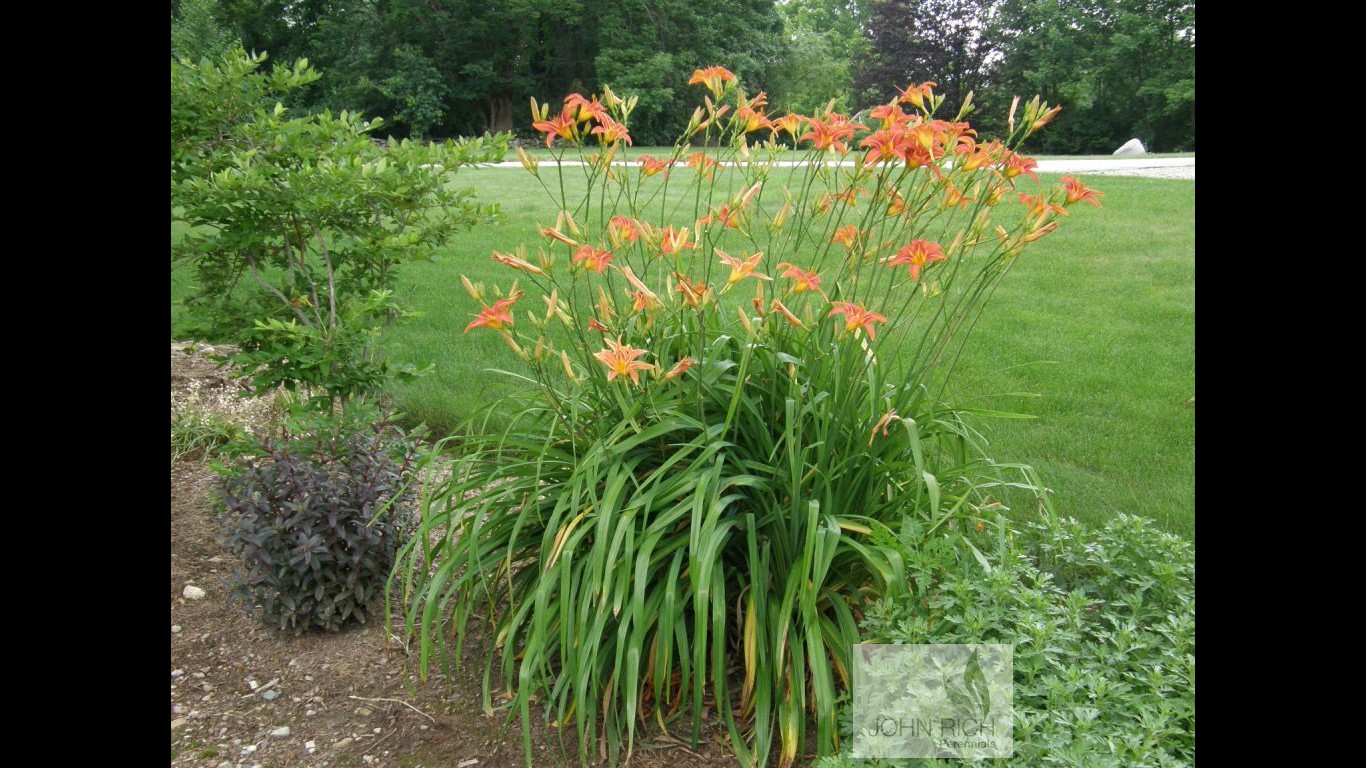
[(916, 94), (610, 131), (897, 204), (890, 115), (517, 263), (1077, 192), (674, 240), (723, 215), (751, 120), (918, 254), (954, 197), (741, 268), (594, 325), (885, 145), (883, 424), (624, 229), (1040, 232), (555, 234), (621, 360), (830, 132), (696, 294), (650, 165), (804, 281), (1040, 207), (596, 259), (780, 308), (714, 78), (582, 110), (703, 164), (680, 368), (847, 235), (563, 126), (497, 317), (642, 296), (1018, 164), (856, 317), (792, 123)]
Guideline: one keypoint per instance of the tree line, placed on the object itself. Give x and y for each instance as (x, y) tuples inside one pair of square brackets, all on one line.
[(1120, 68)]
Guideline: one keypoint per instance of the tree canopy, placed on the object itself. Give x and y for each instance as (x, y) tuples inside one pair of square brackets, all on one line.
[(1120, 68)]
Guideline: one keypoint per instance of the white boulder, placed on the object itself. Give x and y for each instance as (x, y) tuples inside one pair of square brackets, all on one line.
[(1131, 147)]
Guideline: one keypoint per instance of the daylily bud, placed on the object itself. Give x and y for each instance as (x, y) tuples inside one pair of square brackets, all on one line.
[(551, 303), (476, 292), (528, 162), (966, 109), (521, 353), (744, 320)]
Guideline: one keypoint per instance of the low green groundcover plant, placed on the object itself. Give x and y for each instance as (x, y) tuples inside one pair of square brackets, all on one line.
[(726, 404), (1103, 628)]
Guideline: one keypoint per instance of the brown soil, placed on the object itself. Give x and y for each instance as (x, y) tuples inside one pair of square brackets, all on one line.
[(351, 695)]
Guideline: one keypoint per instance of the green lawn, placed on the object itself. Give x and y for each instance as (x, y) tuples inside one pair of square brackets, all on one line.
[(1096, 321)]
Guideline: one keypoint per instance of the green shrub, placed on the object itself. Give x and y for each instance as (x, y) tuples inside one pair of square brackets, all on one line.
[(316, 524), (296, 226)]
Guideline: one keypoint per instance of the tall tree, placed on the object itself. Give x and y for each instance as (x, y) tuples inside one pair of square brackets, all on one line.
[(823, 38), (197, 33), (651, 47), (945, 41), (1120, 68)]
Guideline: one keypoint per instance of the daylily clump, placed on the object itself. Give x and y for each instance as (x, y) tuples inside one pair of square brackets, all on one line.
[(789, 413)]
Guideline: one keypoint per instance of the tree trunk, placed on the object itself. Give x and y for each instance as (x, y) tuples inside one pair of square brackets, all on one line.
[(499, 115)]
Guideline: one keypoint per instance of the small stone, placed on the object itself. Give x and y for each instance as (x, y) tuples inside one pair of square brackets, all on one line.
[(194, 593), (175, 629), (177, 672), (466, 763), (280, 733), (225, 764), (249, 749), (252, 684), (178, 709), (344, 743), (271, 695), (368, 759), (311, 746), (363, 712), (310, 713), (214, 559), (179, 722), (198, 675)]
